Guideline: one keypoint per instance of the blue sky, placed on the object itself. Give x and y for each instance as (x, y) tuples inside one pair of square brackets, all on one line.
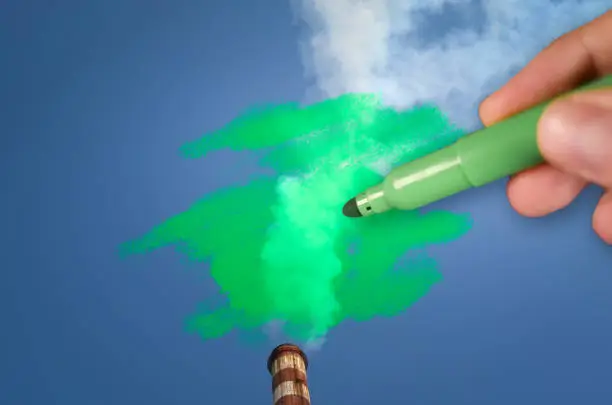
[(96, 99)]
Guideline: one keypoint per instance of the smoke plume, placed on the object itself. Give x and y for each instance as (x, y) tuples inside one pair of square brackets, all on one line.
[(446, 52), (449, 52)]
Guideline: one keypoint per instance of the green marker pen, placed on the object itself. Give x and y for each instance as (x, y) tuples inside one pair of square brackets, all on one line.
[(474, 160)]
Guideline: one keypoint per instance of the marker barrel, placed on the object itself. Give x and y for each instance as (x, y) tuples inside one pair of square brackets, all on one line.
[(484, 156)]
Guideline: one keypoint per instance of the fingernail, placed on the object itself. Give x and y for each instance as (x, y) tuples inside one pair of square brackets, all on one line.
[(575, 134)]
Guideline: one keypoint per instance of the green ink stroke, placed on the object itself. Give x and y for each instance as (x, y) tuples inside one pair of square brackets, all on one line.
[(288, 254)]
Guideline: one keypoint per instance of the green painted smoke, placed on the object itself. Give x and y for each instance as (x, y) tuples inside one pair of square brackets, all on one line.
[(289, 255)]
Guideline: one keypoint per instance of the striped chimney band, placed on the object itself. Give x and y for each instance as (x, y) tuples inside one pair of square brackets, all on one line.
[(287, 364)]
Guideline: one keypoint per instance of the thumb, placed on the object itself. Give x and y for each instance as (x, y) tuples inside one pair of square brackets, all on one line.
[(575, 135)]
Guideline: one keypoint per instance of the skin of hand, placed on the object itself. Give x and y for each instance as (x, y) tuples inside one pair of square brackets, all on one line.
[(574, 133)]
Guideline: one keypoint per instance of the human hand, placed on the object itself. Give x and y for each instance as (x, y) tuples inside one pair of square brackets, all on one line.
[(574, 133)]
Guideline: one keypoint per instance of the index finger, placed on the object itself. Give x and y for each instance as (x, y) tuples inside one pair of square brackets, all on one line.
[(574, 58)]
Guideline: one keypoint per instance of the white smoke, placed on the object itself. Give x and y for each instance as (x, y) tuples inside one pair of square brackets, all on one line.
[(314, 345), (274, 330), (450, 52)]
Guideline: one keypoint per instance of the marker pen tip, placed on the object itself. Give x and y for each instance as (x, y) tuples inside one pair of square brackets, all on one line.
[(350, 209)]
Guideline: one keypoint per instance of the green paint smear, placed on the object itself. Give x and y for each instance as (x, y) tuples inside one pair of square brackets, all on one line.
[(279, 247)]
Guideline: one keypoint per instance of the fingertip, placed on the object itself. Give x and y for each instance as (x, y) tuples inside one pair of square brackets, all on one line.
[(542, 190), (487, 110), (602, 218), (517, 191)]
